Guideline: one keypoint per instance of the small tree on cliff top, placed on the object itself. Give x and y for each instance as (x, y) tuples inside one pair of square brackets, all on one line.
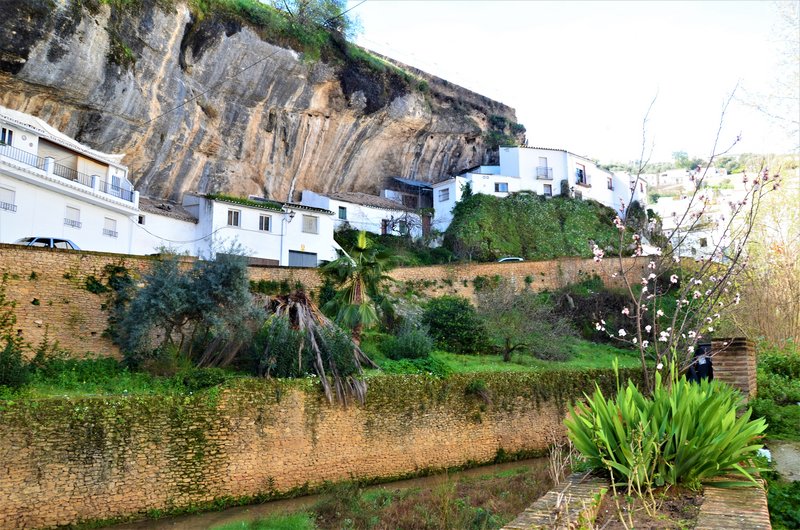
[(666, 334)]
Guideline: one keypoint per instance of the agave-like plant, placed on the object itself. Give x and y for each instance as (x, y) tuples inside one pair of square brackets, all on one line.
[(686, 433)]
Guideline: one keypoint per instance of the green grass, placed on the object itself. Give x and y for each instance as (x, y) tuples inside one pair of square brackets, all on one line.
[(296, 521), (585, 355), (106, 377), (440, 502)]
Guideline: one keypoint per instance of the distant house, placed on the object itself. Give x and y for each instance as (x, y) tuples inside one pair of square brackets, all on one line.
[(413, 194), (546, 172), (53, 186), (372, 213)]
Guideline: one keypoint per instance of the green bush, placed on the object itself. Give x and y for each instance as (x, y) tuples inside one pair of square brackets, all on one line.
[(197, 379), (13, 369), (410, 343), (684, 434), (779, 391), (455, 325), (205, 312), (283, 344), (784, 505)]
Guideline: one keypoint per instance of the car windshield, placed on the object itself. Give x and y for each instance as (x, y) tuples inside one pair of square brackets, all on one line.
[(25, 240)]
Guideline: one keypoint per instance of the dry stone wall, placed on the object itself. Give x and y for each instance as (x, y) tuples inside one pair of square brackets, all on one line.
[(66, 460), (50, 287)]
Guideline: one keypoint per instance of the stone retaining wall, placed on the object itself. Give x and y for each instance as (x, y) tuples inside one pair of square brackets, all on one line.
[(49, 287), (64, 460)]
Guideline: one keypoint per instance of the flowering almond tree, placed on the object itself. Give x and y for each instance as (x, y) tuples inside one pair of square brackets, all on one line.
[(679, 301)]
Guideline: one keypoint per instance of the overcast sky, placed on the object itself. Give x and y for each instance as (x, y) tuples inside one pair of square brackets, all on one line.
[(581, 75)]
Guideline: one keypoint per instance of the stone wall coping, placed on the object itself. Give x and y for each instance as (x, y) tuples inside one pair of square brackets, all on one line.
[(575, 502)]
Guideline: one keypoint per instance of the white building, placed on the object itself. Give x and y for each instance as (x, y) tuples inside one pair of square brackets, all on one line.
[(52, 186), (371, 213), (271, 232), (541, 171)]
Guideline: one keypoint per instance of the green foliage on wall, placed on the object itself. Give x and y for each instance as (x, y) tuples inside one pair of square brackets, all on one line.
[(486, 228)]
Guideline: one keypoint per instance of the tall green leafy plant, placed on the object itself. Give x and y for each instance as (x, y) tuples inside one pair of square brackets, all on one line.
[(358, 276), (298, 339), (205, 311), (686, 433), (13, 369)]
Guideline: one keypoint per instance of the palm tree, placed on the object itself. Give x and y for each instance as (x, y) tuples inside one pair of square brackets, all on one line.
[(358, 276)]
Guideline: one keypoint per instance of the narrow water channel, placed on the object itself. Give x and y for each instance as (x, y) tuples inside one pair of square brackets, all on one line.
[(257, 511)]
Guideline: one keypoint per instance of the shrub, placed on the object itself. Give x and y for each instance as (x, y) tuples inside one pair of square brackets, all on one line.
[(779, 391), (197, 379), (280, 346), (13, 369), (411, 342), (684, 434), (205, 312), (784, 504), (454, 325), (428, 366)]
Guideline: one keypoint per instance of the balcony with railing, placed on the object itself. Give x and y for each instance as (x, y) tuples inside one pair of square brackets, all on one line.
[(109, 232), (72, 222), (49, 166), (544, 173)]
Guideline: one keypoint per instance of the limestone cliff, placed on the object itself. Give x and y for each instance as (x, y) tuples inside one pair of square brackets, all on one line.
[(260, 118)]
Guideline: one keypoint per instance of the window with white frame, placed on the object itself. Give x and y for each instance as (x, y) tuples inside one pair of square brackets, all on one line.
[(141, 219), (265, 223), (110, 227), (72, 217), (501, 187), (342, 212), (6, 136), (310, 224), (7, 199), (444, 195), (610, 183), (234, 218), (548, 190)]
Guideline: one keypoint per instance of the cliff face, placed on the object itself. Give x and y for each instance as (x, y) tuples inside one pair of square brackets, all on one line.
[(118, 78)]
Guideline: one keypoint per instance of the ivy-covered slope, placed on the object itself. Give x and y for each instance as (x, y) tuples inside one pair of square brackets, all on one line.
[(486, 227)]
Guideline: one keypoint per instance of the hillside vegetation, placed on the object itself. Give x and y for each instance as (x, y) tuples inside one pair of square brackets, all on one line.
[(486, 228)]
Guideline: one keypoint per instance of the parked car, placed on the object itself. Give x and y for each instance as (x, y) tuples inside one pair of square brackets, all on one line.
[(509, 258), (48, 242)]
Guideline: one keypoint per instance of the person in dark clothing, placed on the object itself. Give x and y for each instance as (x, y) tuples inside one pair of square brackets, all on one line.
[(702, 367)]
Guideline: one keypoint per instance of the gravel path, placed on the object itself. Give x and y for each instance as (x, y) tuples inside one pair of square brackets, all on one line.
[(787, 458)]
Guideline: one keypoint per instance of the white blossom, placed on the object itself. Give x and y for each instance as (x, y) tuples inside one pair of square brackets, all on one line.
[(673, 278), (621, 333), (659, 313)]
